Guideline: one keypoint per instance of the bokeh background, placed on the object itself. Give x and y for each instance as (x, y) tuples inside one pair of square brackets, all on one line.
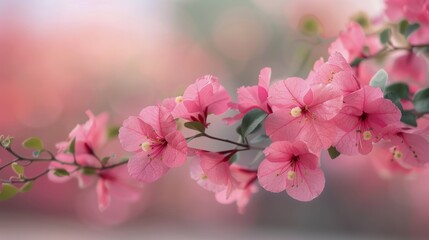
[(59, 58)]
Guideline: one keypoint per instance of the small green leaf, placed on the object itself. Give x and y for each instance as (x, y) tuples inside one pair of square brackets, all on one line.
[(379, 79), (408, 117), (195, 126), (72, 146), (421, 101), (113, 132), (259, 139), (356, 62), (7, 142), (18, 169), (89, 170), (8, 191), (61, 172), (401, 90), (36, 153), (105, 160), (403, 26), (33, 143), (26, 187), (251, 121), (410, 29), (333, 152), (385, 35), (233, 158)]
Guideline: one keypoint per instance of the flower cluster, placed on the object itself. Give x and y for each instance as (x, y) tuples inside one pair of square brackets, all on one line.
[(342, 107)]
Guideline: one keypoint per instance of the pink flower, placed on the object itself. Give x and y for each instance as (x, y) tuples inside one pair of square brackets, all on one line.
[(349, 43), (291, 167), (155, 141), (243, 191), (253, 97), (230, 182), (303, 113), (335, 72), (384, 157), (361, 120), (89, 138), (409, 146), (115, 183), (411, 68), (206, 96)]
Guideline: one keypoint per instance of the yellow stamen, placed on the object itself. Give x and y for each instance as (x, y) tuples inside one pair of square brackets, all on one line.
[(203, 177), (291, 175), (179, 99), (367, 135), (397, 155), (295, 112), (145, 146)]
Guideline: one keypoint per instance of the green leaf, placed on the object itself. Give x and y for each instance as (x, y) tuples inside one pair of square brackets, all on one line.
[(408, 117), (7, 142), (33, 143), (403, 26), (26, 187), (410, 29), (18, 169), (105, 160), (385, 35), (401, 90), (259, 138), (233, 158), (36, 153), (356, 62), (8, 191), (113, 132), (379, 79), (72, 146), (421, 101), (195, 126), (333, 152), (61, 172), (251, 121), (89, 170)]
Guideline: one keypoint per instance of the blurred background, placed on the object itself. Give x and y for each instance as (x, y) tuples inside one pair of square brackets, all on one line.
[(59, 58)]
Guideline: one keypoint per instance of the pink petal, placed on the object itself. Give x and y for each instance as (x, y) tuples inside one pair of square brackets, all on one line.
[(309, 187), (288, 93), (103, 195), (271, 177), (144, 169), (174, 154), (215, 167), (133, 133)]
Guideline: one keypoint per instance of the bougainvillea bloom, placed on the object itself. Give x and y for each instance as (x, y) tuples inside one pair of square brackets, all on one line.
[(410, 68), (362, 119), (206, 96), (409, 146), (155, 141), (253, 97), (303, 113), (115, 183), (88, 138), (336, 72), (230, 182), (291, 167)]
